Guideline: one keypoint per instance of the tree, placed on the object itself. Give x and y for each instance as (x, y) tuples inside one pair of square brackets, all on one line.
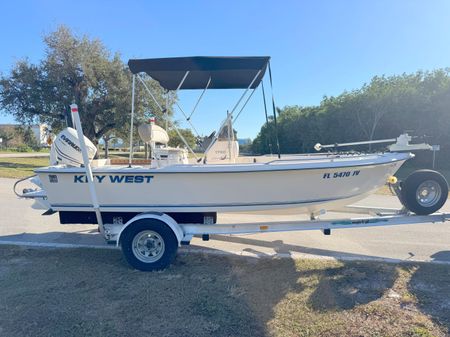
[(107, 138), (28, 136), (6, 136), (76, 70), (384, 108), (175, 139)]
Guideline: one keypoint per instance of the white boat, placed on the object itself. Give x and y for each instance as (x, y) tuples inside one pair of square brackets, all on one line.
[(225, 182), (308, 185), (152, 209)]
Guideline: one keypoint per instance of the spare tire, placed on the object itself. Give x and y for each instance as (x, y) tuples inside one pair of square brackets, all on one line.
[(424, 192)]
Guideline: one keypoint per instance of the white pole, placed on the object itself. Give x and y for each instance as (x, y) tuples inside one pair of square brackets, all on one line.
[(184, 140), (131, 123), (231, 113), (179, 107), (245, 92), (73, 121), (182, 81), (199, 99), (319, 146), (87, 165), (187, 119), (170, 122), (152, 144), (229, 135), (149, 92), (167, 111)]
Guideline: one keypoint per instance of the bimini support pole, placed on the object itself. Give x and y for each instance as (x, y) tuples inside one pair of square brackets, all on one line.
[(170, 122), (274, 114), (181, 109), (245, 92), (150, 93), (87, 165), (188, 118), (166, 115), (200, 98), (229, 130), (130, 159), (244, 105), (230, 115), (267, 117)]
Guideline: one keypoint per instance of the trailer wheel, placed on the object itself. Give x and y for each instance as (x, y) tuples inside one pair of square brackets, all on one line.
[(424, 192), (149, 245)]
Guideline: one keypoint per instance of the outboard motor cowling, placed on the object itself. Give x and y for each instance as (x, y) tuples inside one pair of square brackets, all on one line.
[(66, 149)]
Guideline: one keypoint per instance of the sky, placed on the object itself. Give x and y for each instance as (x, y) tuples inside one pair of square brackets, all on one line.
[(318, 48)]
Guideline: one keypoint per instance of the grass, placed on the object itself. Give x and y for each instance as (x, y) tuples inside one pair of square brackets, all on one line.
[(21, 167), (81, 292)]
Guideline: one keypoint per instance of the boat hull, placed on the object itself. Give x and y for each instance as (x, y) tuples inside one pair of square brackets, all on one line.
[(220, 188)]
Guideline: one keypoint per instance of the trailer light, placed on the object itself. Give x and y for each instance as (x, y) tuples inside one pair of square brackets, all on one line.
[(392, 180), (264, 227)]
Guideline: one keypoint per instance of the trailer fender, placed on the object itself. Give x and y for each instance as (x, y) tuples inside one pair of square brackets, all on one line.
[(169, 221)]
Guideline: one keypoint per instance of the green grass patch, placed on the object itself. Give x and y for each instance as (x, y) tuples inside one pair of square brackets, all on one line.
[(21, 167), (24, 150), (47, 292)]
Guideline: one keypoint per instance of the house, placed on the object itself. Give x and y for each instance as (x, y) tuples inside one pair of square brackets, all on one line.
[(12, 136), (41, 133)]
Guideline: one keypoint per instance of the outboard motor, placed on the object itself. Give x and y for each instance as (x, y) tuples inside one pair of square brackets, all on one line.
[(66, 149)]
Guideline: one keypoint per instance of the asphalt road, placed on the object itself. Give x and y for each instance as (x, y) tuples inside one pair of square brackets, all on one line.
[(19, 223), (24, 154)]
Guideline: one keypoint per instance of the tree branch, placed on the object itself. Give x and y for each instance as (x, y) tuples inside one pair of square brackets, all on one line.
[(104, 129)]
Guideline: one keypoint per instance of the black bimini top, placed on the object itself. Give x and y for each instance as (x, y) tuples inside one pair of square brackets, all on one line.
[(225, 72)]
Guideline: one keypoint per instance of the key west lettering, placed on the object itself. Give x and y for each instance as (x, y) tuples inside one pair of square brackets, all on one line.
[(115, 179)]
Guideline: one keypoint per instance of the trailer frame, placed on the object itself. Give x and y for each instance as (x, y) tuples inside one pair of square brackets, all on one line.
[(186, 231)]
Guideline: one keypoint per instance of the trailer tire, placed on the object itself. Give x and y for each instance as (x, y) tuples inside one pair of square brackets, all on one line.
[(149, 245), (424, 192)]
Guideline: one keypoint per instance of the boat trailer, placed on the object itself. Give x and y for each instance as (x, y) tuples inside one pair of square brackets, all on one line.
[(187, 231), (177, 234)]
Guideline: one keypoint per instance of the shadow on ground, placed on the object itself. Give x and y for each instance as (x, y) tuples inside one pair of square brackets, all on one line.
[(430, 284), (62, 292), (282, 248)]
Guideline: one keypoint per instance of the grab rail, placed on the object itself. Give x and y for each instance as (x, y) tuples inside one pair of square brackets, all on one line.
[(314, 157), (297, 159), (19, 181)]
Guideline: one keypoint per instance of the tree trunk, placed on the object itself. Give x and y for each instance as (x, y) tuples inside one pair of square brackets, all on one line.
[(106, 147), (97, 146)]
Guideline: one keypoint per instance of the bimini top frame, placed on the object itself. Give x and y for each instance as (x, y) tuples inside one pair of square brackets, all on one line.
[(221, 72), (200, 72)]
